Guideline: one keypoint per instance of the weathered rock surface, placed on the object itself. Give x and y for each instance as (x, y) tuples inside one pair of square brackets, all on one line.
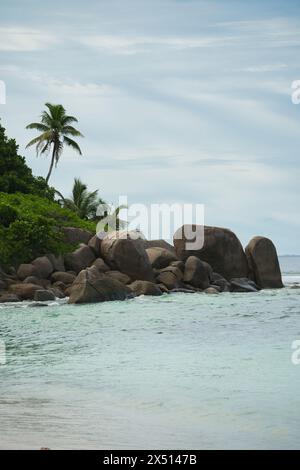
[(74, 235), (80, 259), (6, 297), (197, 272), (101, 265), (145, 288), (171, 277), (24, 291), (57, 262), (95, 244), (43, 267), (125, 252), (160, 257), (211, 290), (220, 281), (26, 270), (159, 244), (221, 249), (92, 286), (64, 277), (263, 263), (43, 295), (119, 276)]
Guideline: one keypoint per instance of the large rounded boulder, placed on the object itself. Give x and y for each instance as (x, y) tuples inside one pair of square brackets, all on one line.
[(125, 252), (263, 263), (197, 273), (92, 286), (80, 259), (160, 257), (219, 247)]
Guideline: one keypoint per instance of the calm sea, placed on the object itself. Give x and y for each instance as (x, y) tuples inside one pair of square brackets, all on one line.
[(178, 371)]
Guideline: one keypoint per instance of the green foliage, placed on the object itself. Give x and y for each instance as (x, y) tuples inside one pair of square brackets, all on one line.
[(7, 215), (83, 202), (36, 228), (15, 174)]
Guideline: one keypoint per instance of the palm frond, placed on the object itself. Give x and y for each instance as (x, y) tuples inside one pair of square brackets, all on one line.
[(73, 144)]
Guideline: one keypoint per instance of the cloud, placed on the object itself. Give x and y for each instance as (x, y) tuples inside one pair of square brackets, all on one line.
[(265, 68), (133, 45), (24, 39)]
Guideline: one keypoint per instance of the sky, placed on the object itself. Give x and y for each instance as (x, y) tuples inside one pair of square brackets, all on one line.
[(180, 101)]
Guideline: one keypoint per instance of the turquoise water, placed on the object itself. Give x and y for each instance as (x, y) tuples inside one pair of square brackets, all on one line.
[(177, 371)]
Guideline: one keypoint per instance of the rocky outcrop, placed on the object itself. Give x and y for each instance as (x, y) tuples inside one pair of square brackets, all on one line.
[(221, 249), (160, 257), (170, 277), (95, 243), (121, 277), (159, 244), (101, 265), (145, 288), (6, 297), (197, 273), (74, 236), (43, 267), (125, 252), (92, 286), (263, 263), (24, 291), (57, 262), (80, 259), (26, 270), (43, 295), (64, 277)]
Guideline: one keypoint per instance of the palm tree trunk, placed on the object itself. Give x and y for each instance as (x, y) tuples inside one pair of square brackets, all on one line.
[(52, 163)]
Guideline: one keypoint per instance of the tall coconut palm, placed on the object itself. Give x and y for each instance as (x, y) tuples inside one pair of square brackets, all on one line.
[(82, 202), (55, 128)]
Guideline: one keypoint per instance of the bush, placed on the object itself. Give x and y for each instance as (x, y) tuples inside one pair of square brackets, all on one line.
[(7, 215), (36, 228), (15, 175)]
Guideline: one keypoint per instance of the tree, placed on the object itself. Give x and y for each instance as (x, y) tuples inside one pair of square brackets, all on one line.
[(15, 175), (55, 128), (82, 202)]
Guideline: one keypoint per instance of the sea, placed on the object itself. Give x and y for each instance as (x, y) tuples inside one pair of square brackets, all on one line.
[(180, 371)]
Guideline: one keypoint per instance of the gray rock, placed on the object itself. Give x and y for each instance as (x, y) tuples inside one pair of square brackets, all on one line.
[(57, 262), (101, 265), (119, 276), (160, 257), (24, 291), (6, 297), (160, 244), (65, 278), (263, 263), (95, 244), (26, 270), (74, 235), (221, 249), (124, 251), (145, 288), (43, 295), (43, 267), (80, 259), (197, 273), (211, 290), (92, 286)]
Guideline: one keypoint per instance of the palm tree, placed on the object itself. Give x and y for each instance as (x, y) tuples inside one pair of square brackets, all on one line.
[(55, 128), (82, 202)]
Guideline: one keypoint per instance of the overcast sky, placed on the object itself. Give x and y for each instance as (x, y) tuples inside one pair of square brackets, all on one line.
[(179, 100)]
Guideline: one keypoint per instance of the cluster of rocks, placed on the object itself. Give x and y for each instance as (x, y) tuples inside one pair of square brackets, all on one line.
[(120, 265)]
